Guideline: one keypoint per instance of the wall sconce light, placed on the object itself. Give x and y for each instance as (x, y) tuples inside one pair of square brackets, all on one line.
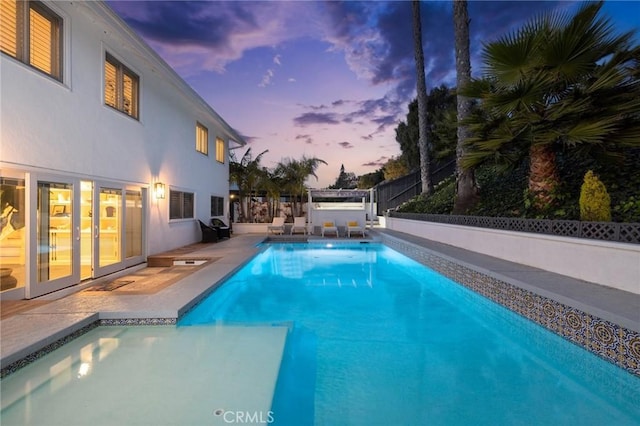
[(158, 190)]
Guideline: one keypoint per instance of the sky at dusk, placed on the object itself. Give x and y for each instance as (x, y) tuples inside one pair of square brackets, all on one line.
[(330, 80)]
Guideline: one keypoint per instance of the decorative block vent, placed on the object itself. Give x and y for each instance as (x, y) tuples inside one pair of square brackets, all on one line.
[(609, 231)]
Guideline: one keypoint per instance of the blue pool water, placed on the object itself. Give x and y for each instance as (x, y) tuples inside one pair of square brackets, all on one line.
[(378, 339)]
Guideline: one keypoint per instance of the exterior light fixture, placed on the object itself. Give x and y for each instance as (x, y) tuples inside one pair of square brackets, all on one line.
[(158, 190)]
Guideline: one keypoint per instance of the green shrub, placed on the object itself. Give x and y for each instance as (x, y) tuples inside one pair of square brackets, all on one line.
[(627, 210), (595, 203), (439, 202)]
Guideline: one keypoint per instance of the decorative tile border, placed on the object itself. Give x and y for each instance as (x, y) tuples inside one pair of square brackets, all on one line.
[(137, 321), (607, 340), (13, 367)]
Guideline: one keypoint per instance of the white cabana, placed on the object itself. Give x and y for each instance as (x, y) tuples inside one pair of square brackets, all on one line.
[(340, 206)]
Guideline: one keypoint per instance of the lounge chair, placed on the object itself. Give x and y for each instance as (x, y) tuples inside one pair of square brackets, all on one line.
[(224, 231), (277, 226), (209, 234), (330, 227), (354, 226), (299, 224)]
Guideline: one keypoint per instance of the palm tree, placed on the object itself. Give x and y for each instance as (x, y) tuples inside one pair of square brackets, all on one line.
[(294, 173), (247, 174), (272, 184), (560, 82), (466, 190), (423, 143)]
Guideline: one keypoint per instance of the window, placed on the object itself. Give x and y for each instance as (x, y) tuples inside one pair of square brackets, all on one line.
[(31, 33), (180, 205), (120, 87), (217, 206), (202, 139), (219, 150)]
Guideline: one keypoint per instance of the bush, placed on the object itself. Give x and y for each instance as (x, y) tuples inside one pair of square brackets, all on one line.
[(595, 203), (627, 210), (439, 202)]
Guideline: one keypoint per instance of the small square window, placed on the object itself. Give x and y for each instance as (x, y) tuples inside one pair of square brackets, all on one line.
[(181, 205)]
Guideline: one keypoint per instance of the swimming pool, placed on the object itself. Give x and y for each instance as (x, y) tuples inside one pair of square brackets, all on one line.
[(377, 338), (305, 334)]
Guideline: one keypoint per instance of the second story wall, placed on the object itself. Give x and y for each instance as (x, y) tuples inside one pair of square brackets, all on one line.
[(71, 124)]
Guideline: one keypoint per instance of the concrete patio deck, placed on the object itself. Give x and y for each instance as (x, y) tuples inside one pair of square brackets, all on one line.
[(28, 331)]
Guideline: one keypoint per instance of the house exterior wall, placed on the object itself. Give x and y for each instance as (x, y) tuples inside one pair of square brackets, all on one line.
[(65, 127)]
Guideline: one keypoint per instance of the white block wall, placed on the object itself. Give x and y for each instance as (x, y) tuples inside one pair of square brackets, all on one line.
[(611, 264)]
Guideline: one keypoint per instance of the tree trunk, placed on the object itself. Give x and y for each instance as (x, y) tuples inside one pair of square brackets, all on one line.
[(423, 143), (543, 175), (466, 189)]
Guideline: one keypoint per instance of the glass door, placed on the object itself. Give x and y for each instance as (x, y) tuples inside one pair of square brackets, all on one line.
[(108, 219), (134, 220), (86, 229), (56, 238)]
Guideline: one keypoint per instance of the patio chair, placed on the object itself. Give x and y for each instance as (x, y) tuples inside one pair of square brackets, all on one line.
[(299, 224), (223, 230), (354, 227), (209, 234), (277, 226), (330, 227)]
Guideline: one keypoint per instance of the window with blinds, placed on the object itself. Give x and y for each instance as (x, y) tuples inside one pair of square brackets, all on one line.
[(31, 33), (217, 206), (180, 205), (202, 139), (219, 150), (121, 86)]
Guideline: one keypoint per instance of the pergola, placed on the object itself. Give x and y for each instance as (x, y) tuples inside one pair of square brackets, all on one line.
[(340, 206)]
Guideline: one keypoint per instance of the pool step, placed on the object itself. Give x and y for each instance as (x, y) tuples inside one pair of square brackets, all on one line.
[(201, 375)]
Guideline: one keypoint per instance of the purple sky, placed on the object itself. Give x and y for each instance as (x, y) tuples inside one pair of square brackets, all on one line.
[(323, 79)]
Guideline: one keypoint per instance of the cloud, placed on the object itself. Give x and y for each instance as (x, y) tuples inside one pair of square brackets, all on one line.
[(377, 163), (207, 35), (291, 80), (306, 138), (309, 118), (381, 50), (266, 78), (346, 145), (375, 37), (250, 139)]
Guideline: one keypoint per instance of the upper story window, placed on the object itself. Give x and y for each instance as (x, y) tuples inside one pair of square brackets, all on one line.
[(202, 139), (219, 150), (121, 86), (32, 33)]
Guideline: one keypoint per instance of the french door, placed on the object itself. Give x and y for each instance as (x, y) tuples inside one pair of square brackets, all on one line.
[(84, 229), (55, 243)]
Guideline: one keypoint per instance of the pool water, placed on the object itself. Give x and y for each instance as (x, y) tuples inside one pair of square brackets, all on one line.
[(308, 334), (378, 339)]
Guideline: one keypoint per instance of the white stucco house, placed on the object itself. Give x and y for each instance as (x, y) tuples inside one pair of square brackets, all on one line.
[(106, 154)]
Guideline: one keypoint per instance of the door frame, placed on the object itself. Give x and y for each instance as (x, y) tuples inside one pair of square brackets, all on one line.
[(99, 271), (35, 288)]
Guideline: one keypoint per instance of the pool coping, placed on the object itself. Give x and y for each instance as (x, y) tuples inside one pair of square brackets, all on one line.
[(606, 323)]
